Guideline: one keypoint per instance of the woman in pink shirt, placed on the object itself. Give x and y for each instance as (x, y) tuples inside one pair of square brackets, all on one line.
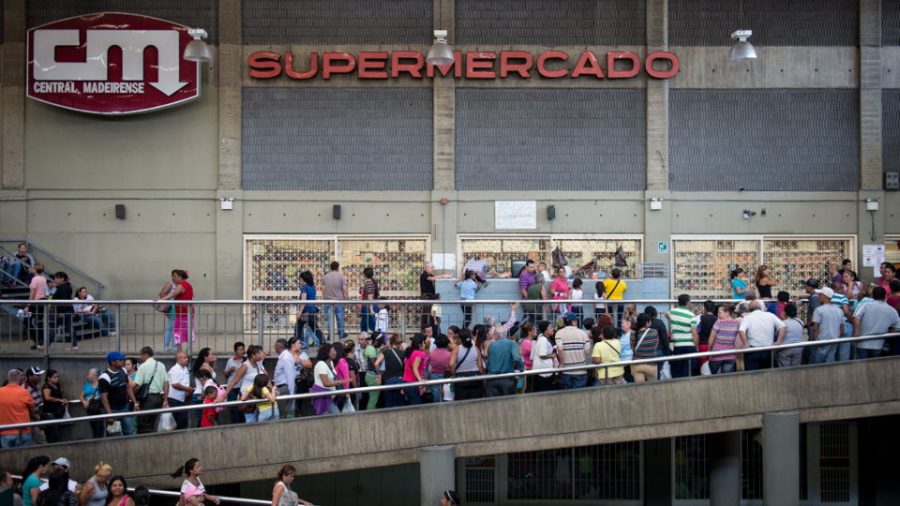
[(414, 362), (184, 313), (342, 371), (37, 290), (439, 359), (559, 287)]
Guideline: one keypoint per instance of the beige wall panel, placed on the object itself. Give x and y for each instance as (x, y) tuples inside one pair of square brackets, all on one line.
[(890, 67), (13, 222), (890, 211), (777, 67), (368, 215), (135, 265), (149, 215), (172, 149), (833, 215)]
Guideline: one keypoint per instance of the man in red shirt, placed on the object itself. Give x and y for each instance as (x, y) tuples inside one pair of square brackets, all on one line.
[(893, 299), (16, 406)]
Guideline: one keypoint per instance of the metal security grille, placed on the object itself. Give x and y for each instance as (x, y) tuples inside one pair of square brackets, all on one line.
[(273, 266), (580, 251), (599, 472), (479, 479), (751, 465), (793, 261), (691, 468), (499, 253), (701, 267), (834, 462), (804, 459)]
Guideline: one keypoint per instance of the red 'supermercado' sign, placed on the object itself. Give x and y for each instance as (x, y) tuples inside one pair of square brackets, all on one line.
[(111, 63)]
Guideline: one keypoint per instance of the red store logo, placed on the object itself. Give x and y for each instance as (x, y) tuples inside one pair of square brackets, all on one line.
[(111, 63)]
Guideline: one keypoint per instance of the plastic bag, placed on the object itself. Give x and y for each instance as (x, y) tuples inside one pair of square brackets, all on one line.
[(166, 423), (665, 372), (448, 392), (114, 429), (66, 414), (705, 370)]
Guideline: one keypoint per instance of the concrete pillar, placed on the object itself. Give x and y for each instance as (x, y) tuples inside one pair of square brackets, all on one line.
[(657, 224), (437, 472), (781, 459), (229, 224), (12, 140), (724, 451), (657, 472)]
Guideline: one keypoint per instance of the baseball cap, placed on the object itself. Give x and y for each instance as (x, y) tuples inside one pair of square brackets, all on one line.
[(569, 316), (35, 371), (828, 292), (62, 462), (812, 283), (113, 356)]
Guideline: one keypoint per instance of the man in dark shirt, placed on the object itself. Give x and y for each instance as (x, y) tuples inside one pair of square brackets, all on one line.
[(427, 291), (115, 392), (64, 312), (660, 327)]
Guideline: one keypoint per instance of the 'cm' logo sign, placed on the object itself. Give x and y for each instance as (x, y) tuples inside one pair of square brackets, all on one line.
[(111, 63)]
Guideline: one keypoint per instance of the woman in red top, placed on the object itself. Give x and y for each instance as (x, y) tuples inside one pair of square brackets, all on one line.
[(183, 291)]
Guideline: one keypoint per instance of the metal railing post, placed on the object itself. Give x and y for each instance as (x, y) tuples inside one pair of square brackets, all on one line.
[(260, 324), (119, 327), (190, 330), (46, 337)]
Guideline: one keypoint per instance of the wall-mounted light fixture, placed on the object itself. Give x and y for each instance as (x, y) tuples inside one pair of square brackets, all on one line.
[(440, 53), (226, 203), (749, 214), (197, 50), (656, 204), (871, 204)]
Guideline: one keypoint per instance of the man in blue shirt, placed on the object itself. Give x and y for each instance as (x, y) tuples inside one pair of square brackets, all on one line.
[(503, 357)]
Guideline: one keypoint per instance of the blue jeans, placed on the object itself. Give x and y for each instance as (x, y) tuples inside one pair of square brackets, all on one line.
[(128, 428), (267, 415), (15, 440), (169, 341), (338, 311), (392, 398), (436, 390), (573, 381), (234, 413), (367, 319), (862, 353), (844, 349), (412, 395), (181, 417), (104, 322), (683, 368), (823, 354)]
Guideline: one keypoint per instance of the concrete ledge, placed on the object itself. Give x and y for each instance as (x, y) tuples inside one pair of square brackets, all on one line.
[(489, 426)]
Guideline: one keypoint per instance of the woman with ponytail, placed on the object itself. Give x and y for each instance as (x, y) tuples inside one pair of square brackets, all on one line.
[(192, 486)]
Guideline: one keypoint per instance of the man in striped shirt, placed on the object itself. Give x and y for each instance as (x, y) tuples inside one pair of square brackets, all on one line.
[(843, 302), (683, 324)]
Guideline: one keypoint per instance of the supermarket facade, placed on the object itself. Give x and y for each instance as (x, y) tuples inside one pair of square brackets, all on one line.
[(319, 133)]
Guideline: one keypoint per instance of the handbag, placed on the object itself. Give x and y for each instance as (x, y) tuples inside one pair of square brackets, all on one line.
[(144, 390), (94, 407), (163, 308)]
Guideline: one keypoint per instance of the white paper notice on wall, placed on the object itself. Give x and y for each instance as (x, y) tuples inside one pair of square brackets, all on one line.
[(444, 261), (515, 214), (873, 256)]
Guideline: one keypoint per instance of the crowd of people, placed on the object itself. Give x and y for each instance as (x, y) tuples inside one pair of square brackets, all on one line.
[(548, 337), (49, 483)]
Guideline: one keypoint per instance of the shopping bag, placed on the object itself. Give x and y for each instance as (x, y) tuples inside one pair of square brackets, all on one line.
[(66, 414), (166, 423), (705, 370), (665, 372), (114, 429), (448, 392)]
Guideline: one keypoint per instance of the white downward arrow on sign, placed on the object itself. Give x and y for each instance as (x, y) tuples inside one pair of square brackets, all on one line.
[(133, 43)]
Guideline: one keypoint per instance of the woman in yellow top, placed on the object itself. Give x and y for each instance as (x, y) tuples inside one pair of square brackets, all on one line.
[(261, 389), (608, 351), (615, 290)]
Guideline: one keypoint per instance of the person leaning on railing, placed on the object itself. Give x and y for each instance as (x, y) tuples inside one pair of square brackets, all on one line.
[(466, 361)]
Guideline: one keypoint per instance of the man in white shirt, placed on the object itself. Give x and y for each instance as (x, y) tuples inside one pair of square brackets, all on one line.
[(60, 465), (179, 388), (874, 318), (828, 324), (290, 361), (760, 328), (542, 354), (573, 347)]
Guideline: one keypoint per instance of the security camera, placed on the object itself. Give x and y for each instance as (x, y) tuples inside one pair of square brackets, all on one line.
[(748, 214)]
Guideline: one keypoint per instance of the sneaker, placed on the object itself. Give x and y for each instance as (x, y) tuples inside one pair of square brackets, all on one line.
[(74, 348)]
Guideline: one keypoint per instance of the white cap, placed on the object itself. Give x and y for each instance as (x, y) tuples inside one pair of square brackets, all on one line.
[(828, 292)]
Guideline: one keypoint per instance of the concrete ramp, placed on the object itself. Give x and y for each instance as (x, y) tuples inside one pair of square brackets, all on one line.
[(236, 453)]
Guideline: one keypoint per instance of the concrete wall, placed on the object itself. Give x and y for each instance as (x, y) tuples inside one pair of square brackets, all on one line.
[(555, 420), (61, 172)]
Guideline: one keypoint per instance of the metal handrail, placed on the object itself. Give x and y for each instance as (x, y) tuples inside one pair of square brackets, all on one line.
[(67, 265), (320, 302), (169, 493), (442, 381)]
